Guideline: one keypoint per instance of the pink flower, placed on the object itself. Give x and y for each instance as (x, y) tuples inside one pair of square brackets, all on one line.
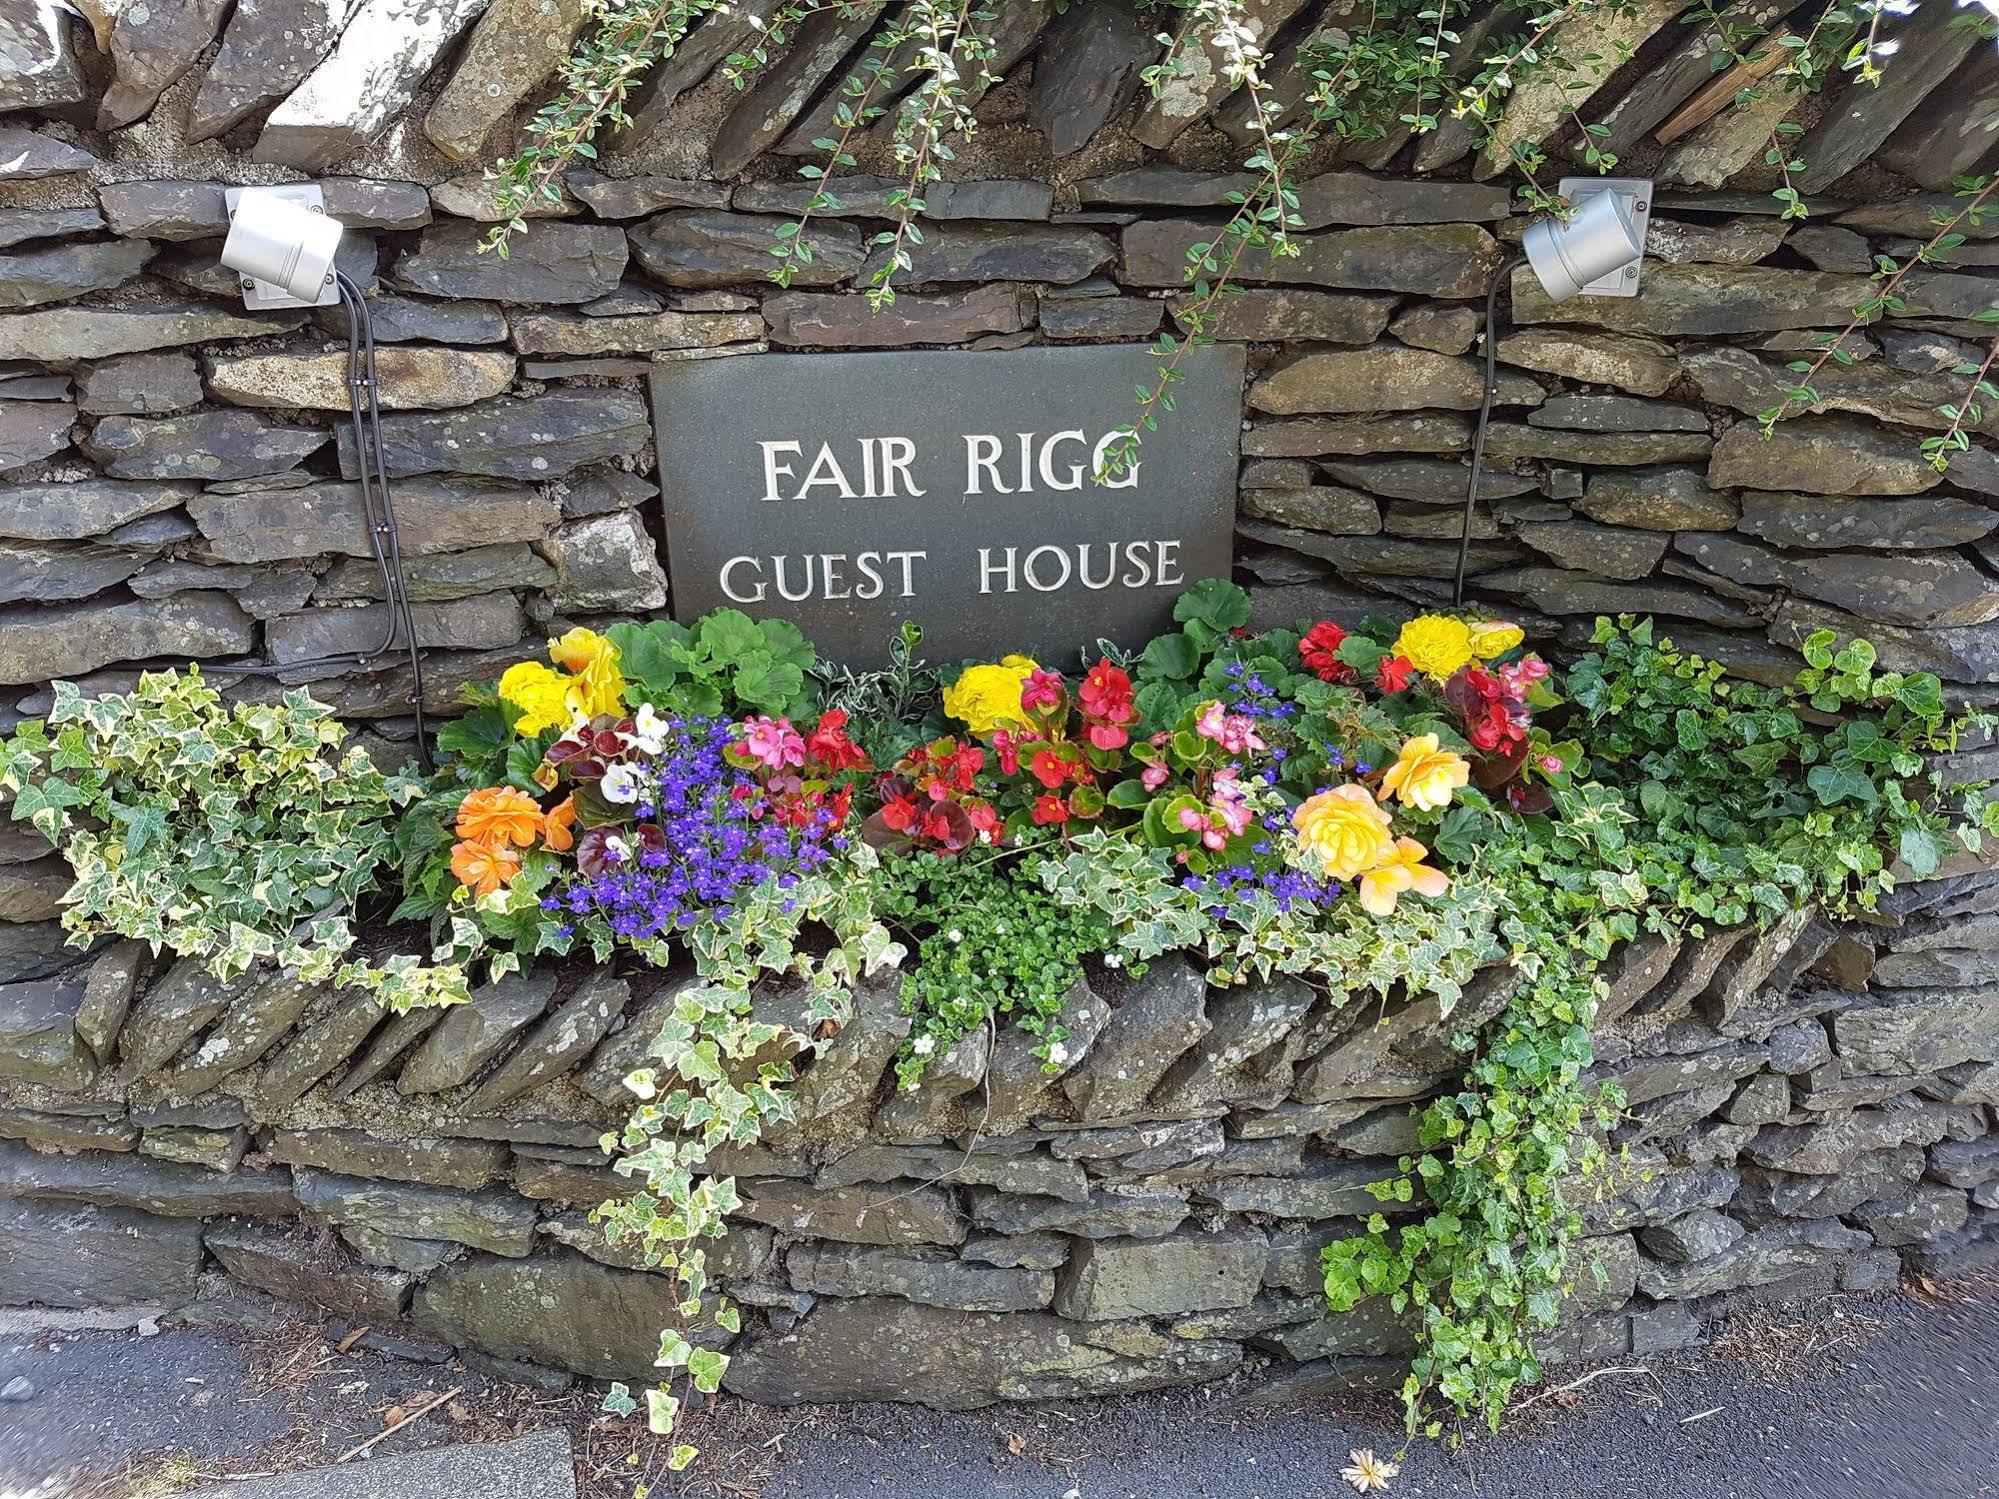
[(1042, 689), (1192, 820), (1551, 763), (772, 742), (1234, 732), (1153, 777), (1232, 810)]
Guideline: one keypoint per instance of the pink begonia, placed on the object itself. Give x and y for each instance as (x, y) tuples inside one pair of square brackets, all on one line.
[(773, 742), (1153, 777), (1230, 805), (1234, 732)]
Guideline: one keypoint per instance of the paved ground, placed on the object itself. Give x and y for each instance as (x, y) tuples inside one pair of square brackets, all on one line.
[(1875, 1398)]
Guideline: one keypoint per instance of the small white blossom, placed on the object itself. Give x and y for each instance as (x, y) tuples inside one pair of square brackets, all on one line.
[(955, 935), (923, 1045), (621, 784), (648, 731), (1058, 1053), (1112, 960), (616, 849)]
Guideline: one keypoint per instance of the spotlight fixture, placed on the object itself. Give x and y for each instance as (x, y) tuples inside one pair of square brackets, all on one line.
[(283, 244), (1596, 251)]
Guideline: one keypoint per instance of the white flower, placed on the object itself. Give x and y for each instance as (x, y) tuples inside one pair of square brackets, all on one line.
[(1112, 960), (621, 784), (616, 849), (1369, 1473), (1058, 1053), (648, 731), (955, 935), (923, 1045)]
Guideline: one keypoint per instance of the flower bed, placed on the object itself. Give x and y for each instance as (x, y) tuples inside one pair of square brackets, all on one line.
[(1379, 810)]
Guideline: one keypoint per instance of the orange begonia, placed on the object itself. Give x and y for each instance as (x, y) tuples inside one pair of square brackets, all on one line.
[(558, 828), (499, 816), (1404, 869), (1424, 775), (1345, 829), (483, 868)]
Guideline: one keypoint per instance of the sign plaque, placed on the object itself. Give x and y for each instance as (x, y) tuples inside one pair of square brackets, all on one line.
[(849, 492)]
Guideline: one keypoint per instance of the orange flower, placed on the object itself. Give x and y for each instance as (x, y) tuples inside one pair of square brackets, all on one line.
[(482, 868), (1404, 869), (1424, 775), (558, 828), (499, 815)]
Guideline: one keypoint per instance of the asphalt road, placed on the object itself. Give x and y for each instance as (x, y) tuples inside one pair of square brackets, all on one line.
[(1876, 1398)]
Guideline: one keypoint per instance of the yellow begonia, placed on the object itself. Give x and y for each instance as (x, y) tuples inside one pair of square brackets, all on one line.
[(540, 693), (1495, 638), (985, 697), (599, 688), (1403, 869), (576, 651), (1436, 645), (1425, 774), (1345, 829)]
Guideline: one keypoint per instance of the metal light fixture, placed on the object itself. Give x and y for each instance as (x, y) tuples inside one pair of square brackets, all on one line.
[(1595, 251), (283, 245)]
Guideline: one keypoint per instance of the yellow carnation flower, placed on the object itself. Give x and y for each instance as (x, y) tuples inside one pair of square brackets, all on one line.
[(1495, 638), (1435, 644), (1346, 829), (1424, 774), (984, 697), (1403, 869), (540, 693), (576, 651)]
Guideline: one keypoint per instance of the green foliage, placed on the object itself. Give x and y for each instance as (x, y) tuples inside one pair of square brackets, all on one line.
[(236, 834), (725, 665)]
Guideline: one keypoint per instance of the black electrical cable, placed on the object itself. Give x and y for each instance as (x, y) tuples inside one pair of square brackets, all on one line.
[(371, 470), (1491, 390)]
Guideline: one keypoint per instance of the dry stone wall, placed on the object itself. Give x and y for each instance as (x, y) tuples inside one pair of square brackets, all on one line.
[(1811, 1108)]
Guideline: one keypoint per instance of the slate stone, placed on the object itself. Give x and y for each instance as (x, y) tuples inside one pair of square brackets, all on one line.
[(433, 515), (936, 1104), (635, 197), (258, 1017), (1762, 1258), (39, 1043), (499, 1221), (1697, 1236), (267, 49), (1107, 1213), (1616, 414), (558, 333), (1243, 1024), (1676, 300), (303, 1268), (929, 1279), (1087, 70), (1965, 1163), (1101, 318), (1281, 314), (1664, 499), (1016, 1252), (359, 86), (1028, 1172), (419, 378), (450, 575), (1388, 556), (177, 1006), (35, 387), (1737, 378), (1594, 45), (1828, 1148), (127, 1181), (33, 950), (1019, 1083), (1312, 437), (846, 321), (1321, 507), (1948, 134), (1824, 521), (606, 562), (552, 262), (1741, 241), (513, 437), (433, 1162), (65, 1255), (695, 248), (1643, 366), (1919, 1032), (26, 155), (471, 1034), (1970, 654), (139, 385), (33, 430), (1191, 1270), (1560, 592), (839, 1081), (556, 1309), (1429, 481), (89, 507), (891, 1213), (42, 71), (1327, 1189), (1385, 378), (29, 278), (1202, 77), (33, 892), (877, 1348), (67, 1131), (321, 1044), (149, 51), (1860, 121), (1446, 330), (1438, 260), (559, 1043), (514, 48), (203, 445), (1926, 589), (1511, 440), (1608, 551), (999, 252), (166, 209), (402, 319), (780, 90), (1153, 1020), (67, 640), (867, 197)]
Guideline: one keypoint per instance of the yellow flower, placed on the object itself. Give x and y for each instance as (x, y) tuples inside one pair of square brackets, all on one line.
[(575, 651), (1435, 644), (1346, 829), (599, 688), (984, 697), (1495, 637), (540, 693), (1403, 869), (1424, 775)]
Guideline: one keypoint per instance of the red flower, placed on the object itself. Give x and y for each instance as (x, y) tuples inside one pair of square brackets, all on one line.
[(1393, 673), (829, 745), (1106, 694), (1042, 689), (1008, 750), (1050, 809), (1049, 768), (1108, 736), (1319, 649)]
